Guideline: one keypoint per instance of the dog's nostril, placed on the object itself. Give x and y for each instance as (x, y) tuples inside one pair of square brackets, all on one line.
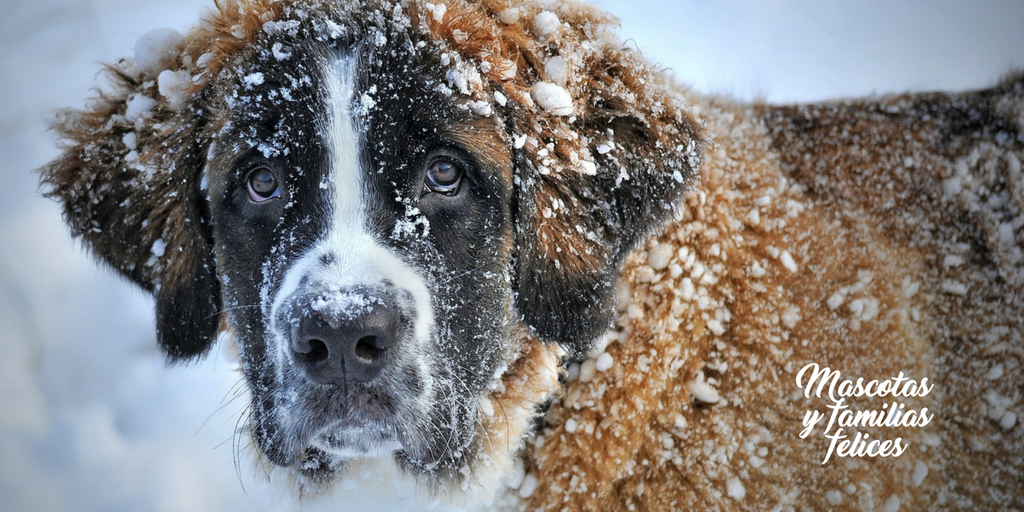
[(317, 352), (367, 349)]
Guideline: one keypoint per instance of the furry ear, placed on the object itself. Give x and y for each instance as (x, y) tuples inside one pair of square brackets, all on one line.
[(575, 226), (604, 147), (129, 183)]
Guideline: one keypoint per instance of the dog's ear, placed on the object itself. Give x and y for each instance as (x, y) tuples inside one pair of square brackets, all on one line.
[(129, 180), (604, 148), (575, 222)]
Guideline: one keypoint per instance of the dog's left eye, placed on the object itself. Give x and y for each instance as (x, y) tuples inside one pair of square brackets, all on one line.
[(444, 177), (262, 184)]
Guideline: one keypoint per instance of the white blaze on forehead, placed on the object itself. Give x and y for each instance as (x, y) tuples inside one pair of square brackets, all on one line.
[(356, 257), (343, 141)]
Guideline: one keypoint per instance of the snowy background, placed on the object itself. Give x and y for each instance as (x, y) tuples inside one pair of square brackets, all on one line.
[(90, 419)]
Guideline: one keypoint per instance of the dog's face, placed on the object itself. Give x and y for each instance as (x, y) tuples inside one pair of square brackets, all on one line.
[(362, 231), (376, 206)]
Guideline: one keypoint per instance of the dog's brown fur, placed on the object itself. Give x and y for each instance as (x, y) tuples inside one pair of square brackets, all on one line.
[(859, 194), (911, 207)]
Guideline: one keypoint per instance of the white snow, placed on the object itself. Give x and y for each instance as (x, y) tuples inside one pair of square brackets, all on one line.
[(156, 51), (138, 107), (279, 51), (703, 391), (130, 140), (734, 488), (528, 486), (716, 327), (588, 370), (545, 24), (437, 11), (159, 247), (552, 98), (253, 79), (604, 362), (834, 497), (571, 425), (509, 16), (557, 70), (660, 256), (835, 300), (787, 261), (920, 472), (173, 85), (892, 504), (994, 372), (1008, 420), (954, 287)]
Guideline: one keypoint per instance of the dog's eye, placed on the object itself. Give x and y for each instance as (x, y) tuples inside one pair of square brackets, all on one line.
[(444, 177), (263, 185)]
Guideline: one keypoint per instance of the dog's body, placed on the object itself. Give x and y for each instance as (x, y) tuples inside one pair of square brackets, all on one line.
[(411, 218), (883, 214)]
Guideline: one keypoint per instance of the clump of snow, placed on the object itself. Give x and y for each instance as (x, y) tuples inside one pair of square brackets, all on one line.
[(954, 287), (754, 217), (159, 247), (552, 98), (734, 488), (588, 370), (557, 70), (892, 504), (571, 425), (516, 477), (529, 485), (437, 10), (480, 108), (204, 60), (660, 255), (680, 421), (509, 16), (920, 471), (156, 51), (138, 107), (253, 79), (716, 327), (1008, 420), (279, 51), (174, 85), (604, 362), (787, 261), (130, 140), (834, 497), (703, 391), (835, 301), (995, 372)]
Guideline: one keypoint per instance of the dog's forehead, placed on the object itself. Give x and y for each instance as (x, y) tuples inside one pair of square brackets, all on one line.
[(276, 95)]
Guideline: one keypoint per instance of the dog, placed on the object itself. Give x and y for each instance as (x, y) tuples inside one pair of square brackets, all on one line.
[(480, 254)]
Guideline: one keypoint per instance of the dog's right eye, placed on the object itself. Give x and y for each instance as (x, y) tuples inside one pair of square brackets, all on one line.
[(444, 177), (262, 184)]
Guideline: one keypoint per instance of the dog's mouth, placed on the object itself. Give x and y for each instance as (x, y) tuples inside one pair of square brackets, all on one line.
[(351, 439), (356, 422)]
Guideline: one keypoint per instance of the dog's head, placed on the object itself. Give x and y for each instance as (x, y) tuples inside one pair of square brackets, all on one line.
[(377, 199)]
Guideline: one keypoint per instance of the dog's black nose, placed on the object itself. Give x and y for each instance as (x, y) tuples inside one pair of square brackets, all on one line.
[(344, 337)]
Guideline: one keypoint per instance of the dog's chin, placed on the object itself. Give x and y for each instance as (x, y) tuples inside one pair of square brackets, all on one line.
[(349, 440)]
